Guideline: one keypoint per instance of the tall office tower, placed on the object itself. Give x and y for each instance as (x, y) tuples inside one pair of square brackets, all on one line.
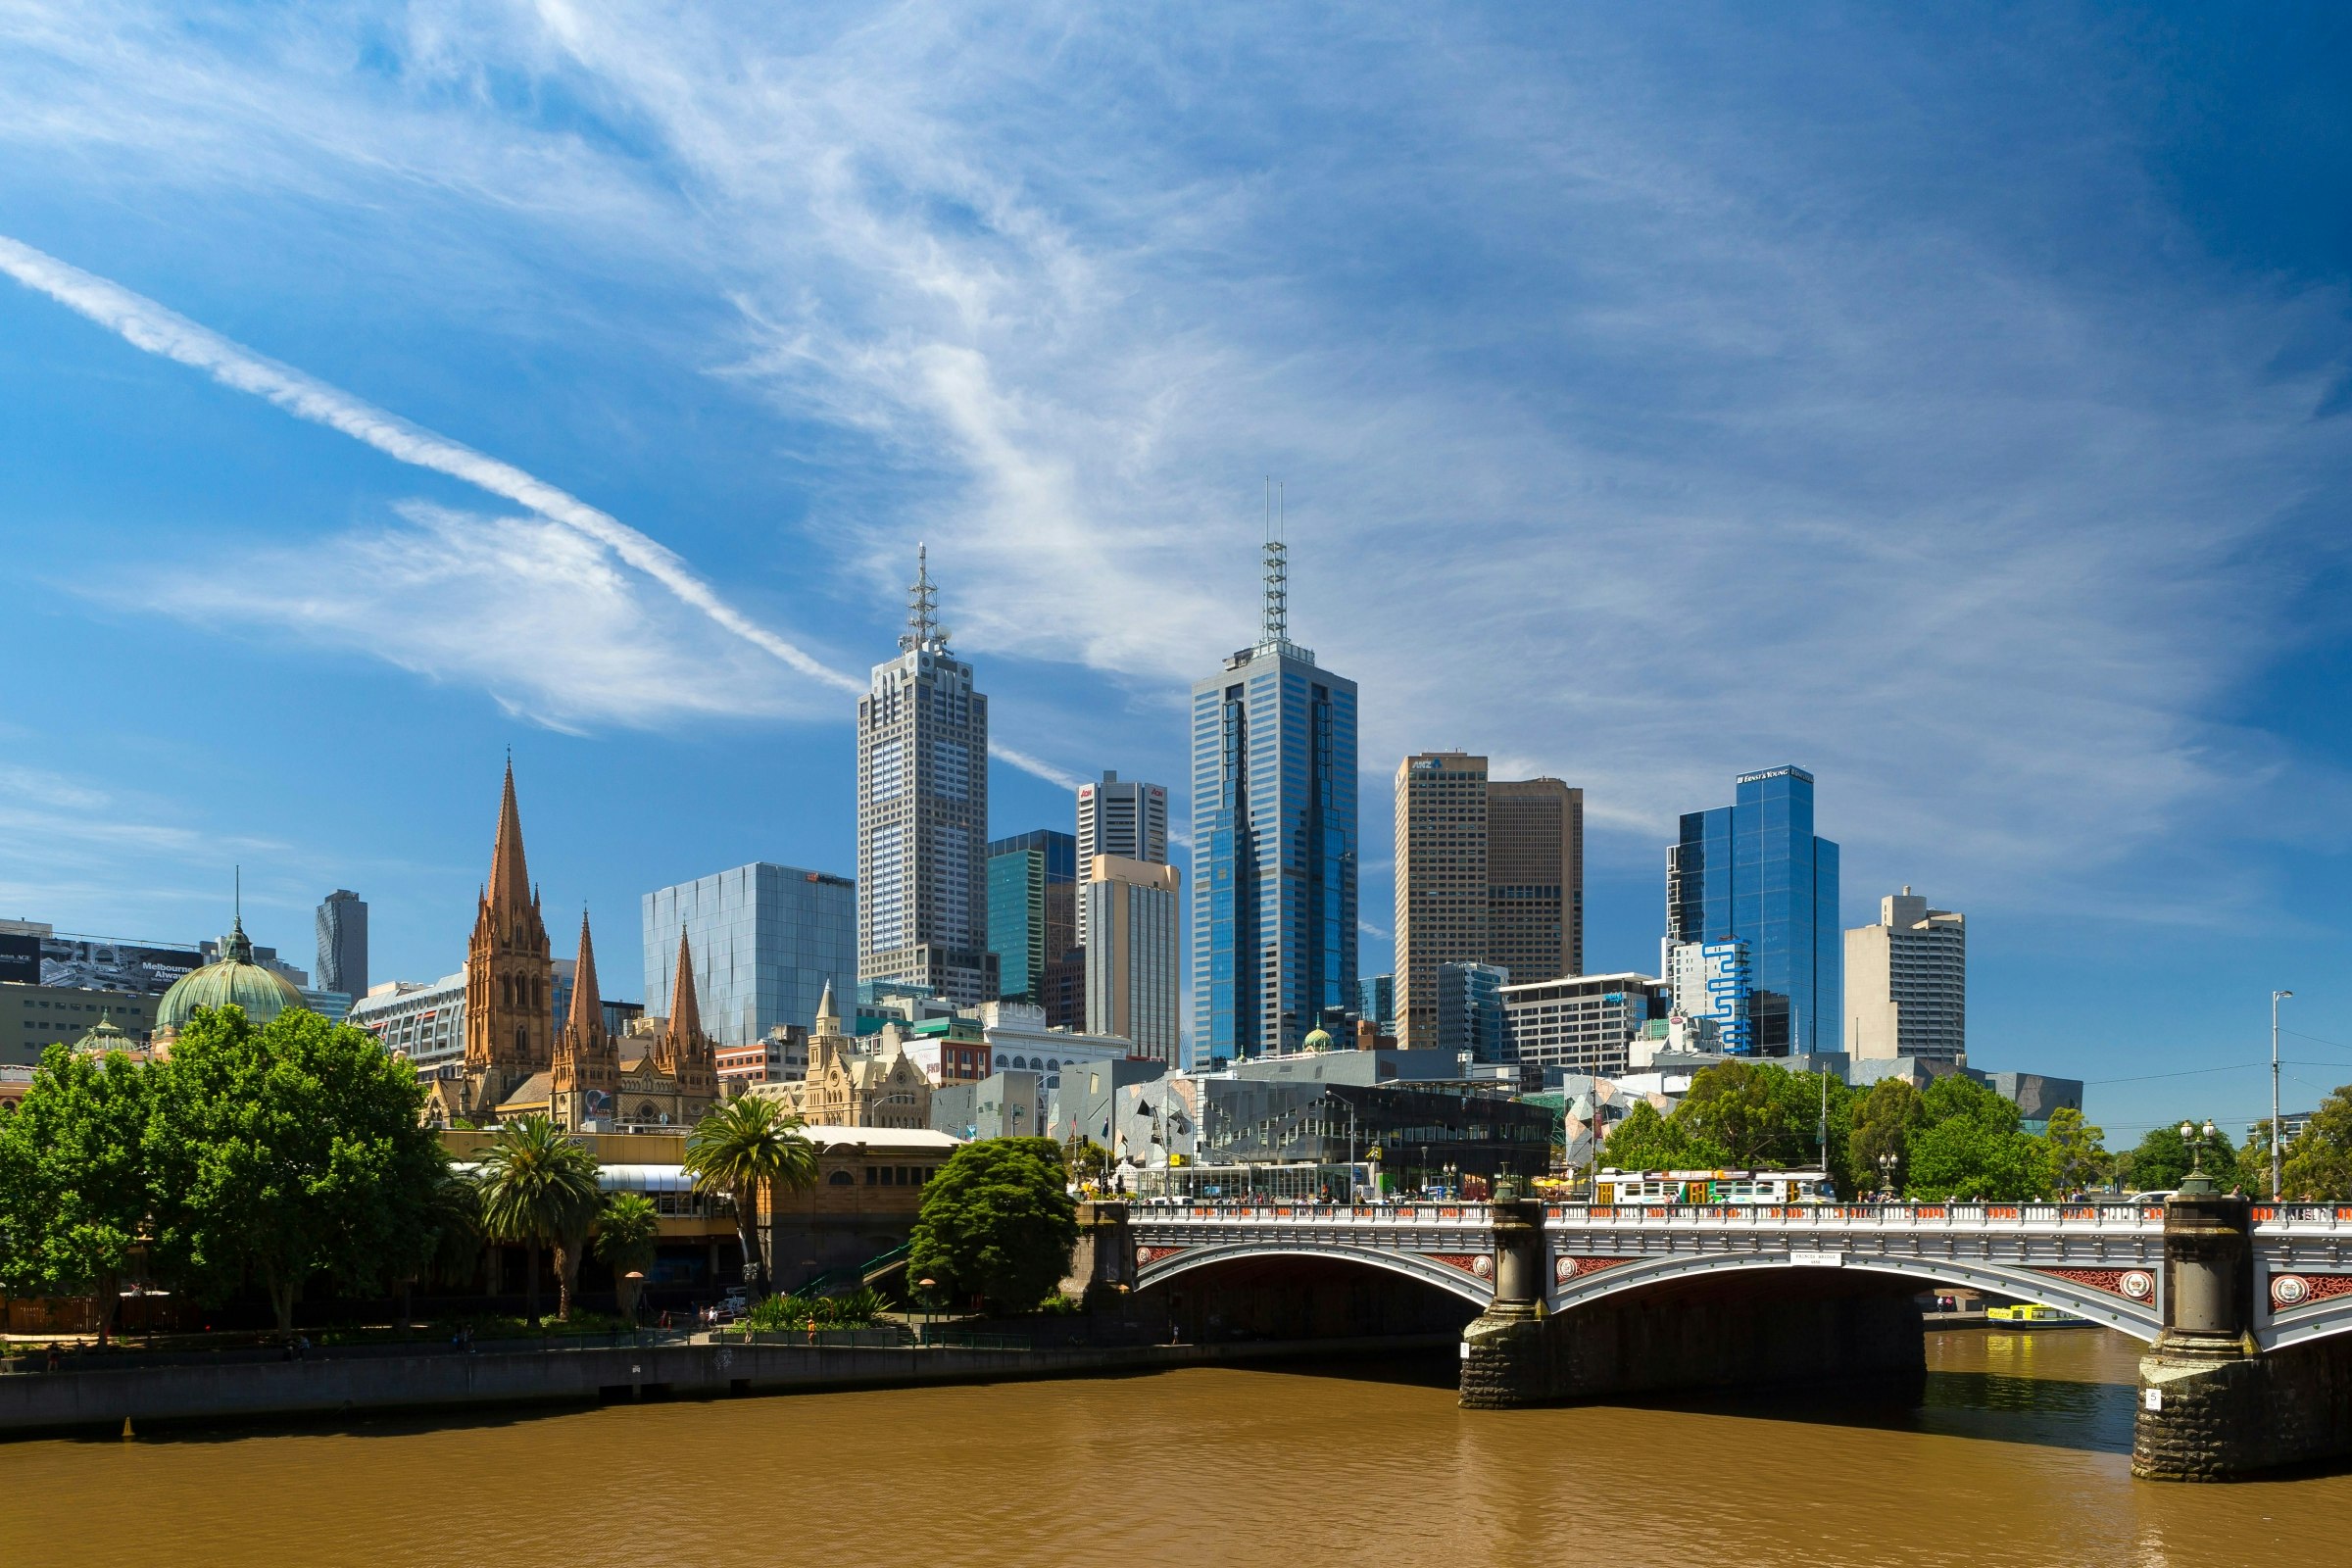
[(343, 943), (1754, 873), (922, 815), (1489, 871), (766, 941), (1376, 1002), (1274, 841), (1125, 817), (1133, 961), (1032, 908), (1906, 982), (1535, 878), (1468, 1010), (1442, 898)]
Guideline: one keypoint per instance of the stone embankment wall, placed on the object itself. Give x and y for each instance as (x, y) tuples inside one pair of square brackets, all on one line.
[(34, 1402)]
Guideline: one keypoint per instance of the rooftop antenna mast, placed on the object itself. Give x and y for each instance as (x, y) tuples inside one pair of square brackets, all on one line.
[(923, 631), (1277, 626)]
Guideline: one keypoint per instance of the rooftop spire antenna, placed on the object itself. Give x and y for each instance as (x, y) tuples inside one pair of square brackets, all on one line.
[(1275, 628), (924, 634)]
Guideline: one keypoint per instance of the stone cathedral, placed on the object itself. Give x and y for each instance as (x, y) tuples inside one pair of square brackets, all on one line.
[(520, 1062)]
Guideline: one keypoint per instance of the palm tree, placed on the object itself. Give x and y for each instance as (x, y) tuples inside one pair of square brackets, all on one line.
[(741, 1148), (539, 1188), (624, 1242)]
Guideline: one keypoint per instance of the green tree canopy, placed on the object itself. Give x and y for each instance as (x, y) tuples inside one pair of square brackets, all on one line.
[(626, 1238), (539, 1188), (1884, 1119), (2077, 1151), (746, 1147), (289, 1151), (2318, 1160), (1969, 1145), (998, 1221), (1646, 1141), (75, 1183), (2162, 1159), (1763, 1116)]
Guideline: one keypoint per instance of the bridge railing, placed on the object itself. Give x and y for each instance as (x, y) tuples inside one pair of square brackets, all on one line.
[(1329, 1214), (1860, 1217), (2302, 1218)]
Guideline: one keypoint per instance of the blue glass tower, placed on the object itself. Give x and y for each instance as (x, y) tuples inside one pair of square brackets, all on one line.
[(1274, 842), (1755, 872)]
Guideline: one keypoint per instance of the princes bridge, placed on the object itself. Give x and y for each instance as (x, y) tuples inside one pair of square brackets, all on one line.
[(2244, 1306)]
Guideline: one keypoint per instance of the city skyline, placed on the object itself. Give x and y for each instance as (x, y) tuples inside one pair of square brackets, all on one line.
[(1869, 569)]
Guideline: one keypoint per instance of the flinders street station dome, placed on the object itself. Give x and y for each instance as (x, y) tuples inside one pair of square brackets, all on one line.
[(264, 994)]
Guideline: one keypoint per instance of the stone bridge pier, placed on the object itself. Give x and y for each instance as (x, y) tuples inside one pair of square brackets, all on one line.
[(2214, 1403)]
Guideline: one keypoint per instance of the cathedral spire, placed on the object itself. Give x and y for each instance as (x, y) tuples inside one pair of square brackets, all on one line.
[(510, 878), (828, 1017), (685, 1012), (587, 1013)]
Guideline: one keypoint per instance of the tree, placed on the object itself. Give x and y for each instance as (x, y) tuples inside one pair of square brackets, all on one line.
[(74, 1184), (998, 1221), (2077, 1151), (1884, 1122), (626, 1238), (746, 1147), (1969, 1145), (1764, 1117), (2162, 1160), (2319, 1162), (1648, 1140), (539, 1188), (289, 1151)]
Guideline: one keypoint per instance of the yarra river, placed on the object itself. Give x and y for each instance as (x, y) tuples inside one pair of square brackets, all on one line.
[(2019, 1456)]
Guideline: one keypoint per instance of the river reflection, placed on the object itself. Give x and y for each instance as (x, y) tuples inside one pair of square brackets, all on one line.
[(2019, 1456)]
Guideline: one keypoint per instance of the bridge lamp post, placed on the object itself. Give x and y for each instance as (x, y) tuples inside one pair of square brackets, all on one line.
[(2276, 996), (2196, 1184), (1888, 1160)]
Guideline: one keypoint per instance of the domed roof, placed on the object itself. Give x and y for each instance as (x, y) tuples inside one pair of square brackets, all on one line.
[(105, 1038), (1316, 1040), (264, 994)]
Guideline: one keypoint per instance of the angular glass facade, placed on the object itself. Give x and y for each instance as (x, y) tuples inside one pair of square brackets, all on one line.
[(1031, 909), (1755, 873), (766, 941), (1274, 851)]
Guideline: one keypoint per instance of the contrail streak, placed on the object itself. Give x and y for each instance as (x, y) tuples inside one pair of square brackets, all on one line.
[(145, 325)]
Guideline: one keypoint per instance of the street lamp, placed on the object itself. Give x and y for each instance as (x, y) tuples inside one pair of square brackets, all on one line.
[(2276, 996), (2196, 1184), (926, 1286), (1887, 1164)]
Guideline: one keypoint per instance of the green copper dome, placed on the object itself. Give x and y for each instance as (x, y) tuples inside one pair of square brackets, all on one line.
[(1316, 1040), (264, 994), (105, 1038)]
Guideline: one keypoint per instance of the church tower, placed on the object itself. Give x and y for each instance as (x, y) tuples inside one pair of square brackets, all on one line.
[(587, 1058), (510, 1023), (684, 1053)]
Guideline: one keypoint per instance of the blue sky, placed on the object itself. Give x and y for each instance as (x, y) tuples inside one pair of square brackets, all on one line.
[(1954, 404)]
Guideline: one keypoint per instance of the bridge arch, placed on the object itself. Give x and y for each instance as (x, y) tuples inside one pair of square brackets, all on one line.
[(1413, 1265), (2026, 1285)]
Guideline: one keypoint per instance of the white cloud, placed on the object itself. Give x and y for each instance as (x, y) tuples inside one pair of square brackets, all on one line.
[(546, 621)]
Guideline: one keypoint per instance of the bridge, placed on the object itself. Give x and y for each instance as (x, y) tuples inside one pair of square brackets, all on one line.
[(2242, 1304)]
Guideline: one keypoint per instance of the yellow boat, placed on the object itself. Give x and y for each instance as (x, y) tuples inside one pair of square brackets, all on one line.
[(2023, 1314)]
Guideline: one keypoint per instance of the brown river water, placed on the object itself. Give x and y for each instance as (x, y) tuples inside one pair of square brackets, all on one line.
[(2019, 1456)]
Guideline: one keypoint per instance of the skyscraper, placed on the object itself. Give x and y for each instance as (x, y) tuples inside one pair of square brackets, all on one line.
[(1032, 911), (1753, 871), (1906, 982), (1468, 1014), (1125, 817), (1489, 871), (1274, 841), (1441, 881), (1133, 963), (343, 943), (766, 940), (922, 813)]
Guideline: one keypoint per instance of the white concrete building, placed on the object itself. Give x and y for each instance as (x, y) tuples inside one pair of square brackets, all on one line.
[(1907, 983)]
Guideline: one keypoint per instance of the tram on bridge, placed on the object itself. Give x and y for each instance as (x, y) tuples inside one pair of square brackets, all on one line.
[(1711, 1188)]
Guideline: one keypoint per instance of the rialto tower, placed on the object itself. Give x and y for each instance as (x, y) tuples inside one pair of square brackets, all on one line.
[(922, 813), (1274, 841)]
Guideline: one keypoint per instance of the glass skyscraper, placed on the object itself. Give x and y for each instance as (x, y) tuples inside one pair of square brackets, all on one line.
[(1274, 842), (1032, 908), (766, 941), (1754, 873)]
